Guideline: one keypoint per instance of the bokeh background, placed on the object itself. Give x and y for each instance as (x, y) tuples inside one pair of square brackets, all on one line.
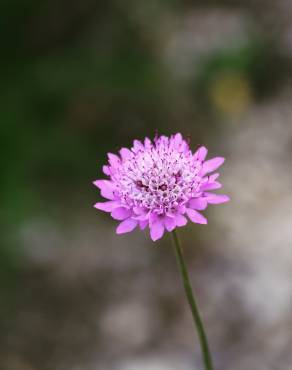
[(82, 78)]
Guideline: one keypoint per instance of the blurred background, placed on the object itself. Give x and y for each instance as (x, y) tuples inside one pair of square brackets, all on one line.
[(82, 78)]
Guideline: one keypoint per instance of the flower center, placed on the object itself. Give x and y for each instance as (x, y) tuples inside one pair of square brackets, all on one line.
[(159, 180)]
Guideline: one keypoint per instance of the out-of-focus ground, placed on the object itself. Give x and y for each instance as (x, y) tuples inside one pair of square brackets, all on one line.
[(80, 79)]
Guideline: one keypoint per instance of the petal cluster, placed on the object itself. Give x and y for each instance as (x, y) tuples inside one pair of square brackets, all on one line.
[(160, 185)]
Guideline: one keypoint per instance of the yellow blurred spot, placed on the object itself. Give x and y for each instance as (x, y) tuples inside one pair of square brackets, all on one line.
[(230, 93)]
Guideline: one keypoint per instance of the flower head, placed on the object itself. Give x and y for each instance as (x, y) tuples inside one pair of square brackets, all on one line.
[(159, 184)]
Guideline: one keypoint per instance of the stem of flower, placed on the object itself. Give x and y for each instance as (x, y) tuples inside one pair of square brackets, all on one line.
[(192, 302)]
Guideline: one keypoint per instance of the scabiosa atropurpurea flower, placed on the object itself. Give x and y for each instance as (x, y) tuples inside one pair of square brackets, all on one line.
[(159, 184)]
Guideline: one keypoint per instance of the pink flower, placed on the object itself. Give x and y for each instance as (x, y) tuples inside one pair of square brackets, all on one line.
[(159, 184)]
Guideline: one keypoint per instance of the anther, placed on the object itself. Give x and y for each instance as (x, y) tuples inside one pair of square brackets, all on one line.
[(163, 187)]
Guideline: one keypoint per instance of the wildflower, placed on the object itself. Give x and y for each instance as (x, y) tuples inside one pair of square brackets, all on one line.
[(159, 184)]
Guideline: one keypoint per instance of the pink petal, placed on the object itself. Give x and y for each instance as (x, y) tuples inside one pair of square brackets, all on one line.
[(201, 153), (106, 188), (157, 229), (121, 213), (179, 143), (180, 220), (153, 217), (147, 143), (107, 206), (141, 214), (177, 140), (169, 223), (210, 186), (198, 203), (106, 170), (125, 153), (196, 216), (114, 160), (181, 209), (137, 146), (163, 140), (216, 198), (213, 177), (126, 226), (142, 217), (211, 165), (143, 224)]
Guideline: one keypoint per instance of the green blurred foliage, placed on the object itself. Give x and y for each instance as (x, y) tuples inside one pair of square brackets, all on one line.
[(258, 59), (77, 80)]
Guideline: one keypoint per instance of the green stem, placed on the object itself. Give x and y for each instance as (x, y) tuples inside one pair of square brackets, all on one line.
[(193, 305)]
